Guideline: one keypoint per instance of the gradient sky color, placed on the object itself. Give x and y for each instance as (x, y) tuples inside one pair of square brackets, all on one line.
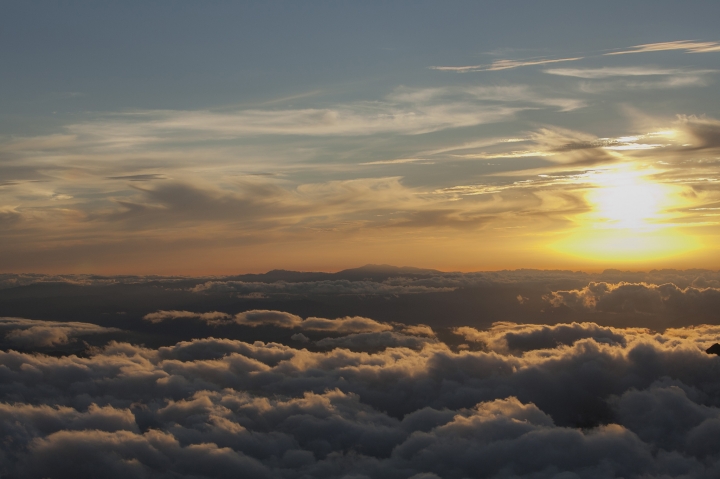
[(217, 138)]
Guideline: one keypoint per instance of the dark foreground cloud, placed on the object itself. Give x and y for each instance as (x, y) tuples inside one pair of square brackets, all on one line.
[(375, 341), (570, 400), (508, 337)]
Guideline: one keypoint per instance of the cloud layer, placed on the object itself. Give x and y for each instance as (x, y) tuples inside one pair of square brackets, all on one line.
[(640, 298), (688, 46), (27, 333), (278, 319), (575, 400)]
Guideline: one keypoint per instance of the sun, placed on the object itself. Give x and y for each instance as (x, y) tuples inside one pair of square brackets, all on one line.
[(626, 200), (630, 221)]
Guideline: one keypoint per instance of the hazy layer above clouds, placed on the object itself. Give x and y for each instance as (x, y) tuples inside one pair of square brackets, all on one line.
[(184, 307)]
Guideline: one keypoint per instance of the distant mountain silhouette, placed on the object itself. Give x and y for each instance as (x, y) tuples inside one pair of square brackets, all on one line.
[(371, 272), (379, 272)]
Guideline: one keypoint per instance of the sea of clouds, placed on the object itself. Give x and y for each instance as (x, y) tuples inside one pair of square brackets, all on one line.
[(376, 372), (370, 399)]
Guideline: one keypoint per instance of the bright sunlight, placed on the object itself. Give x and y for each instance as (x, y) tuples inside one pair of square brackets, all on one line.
[(630, 221), (627, 200)]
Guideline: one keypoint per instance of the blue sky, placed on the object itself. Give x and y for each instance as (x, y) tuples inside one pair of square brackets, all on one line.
[(126, 55), (455, 135)]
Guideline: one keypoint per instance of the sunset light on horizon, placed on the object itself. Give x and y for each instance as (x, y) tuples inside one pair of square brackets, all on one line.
[(360, 239), (482, 154)]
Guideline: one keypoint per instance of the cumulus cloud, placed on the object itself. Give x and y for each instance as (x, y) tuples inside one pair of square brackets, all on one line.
[(280, 319), (477, 299), (96, 453), (376, 341), (318, 287), (355, 324), (508, 337), (394, 280), (638, 298), (417, 330), (31, 333), (11, 280), (300, 337), (574, 400), (269, 318), (160, 316)]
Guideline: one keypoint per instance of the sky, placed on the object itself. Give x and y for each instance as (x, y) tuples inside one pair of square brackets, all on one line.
[(360, 240), (239, 137)]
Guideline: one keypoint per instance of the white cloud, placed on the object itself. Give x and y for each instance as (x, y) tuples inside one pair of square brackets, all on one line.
[(155, 127), (688, 46), (670, 82), (607, 72), (505, 64)]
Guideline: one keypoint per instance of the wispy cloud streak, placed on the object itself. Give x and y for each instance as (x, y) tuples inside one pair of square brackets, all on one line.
[(504, 65), (688, 46), (607, 72)]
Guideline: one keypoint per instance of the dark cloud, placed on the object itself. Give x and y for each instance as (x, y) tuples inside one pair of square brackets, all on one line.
[(228, 385), (586, 145), (9, 280), (375, 341), (442, 300), (704, 132), (94, 453), (13, 174), (160, 316), (170, 202), (300, 337), (571, 400), (518, 338), (639, 298), (278, 319), (28, 333), (372, 278), (319, 287), (9, 217), (573, 148)]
